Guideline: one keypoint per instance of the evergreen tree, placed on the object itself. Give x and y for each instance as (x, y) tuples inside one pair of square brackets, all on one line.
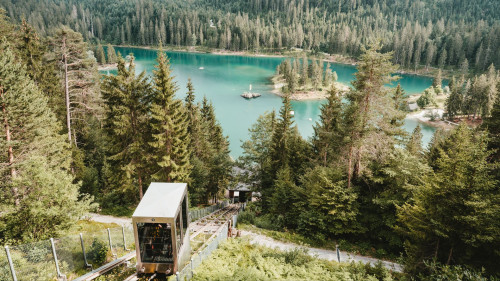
[(111, 54), (99, 54), (414, 145), (281, 136), (492, 126), (454, 101), (39, 196), (170, 138), (329, 209), (437, 82), (127, 99), (328, 133), (370, 106), (454, 216)]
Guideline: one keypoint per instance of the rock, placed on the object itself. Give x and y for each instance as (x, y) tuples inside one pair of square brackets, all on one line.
[(248, 95)]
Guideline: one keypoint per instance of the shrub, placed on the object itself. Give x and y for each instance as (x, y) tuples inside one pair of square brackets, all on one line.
[(246, 217), (98, 251)]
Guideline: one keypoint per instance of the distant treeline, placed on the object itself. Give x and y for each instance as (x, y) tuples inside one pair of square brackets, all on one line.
[(452, 33)]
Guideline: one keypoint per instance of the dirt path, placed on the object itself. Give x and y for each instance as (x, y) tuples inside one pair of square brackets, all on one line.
[(319, 253)]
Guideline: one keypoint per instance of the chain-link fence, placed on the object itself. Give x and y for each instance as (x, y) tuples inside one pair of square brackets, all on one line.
[(69, 256), (188, 271)]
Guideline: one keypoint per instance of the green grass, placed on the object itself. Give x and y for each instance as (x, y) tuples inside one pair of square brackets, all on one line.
[(237, 259), (83, 226), (359, 247)]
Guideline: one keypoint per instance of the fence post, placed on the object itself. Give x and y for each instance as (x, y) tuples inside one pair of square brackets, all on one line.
[(124, 240), (84, 253), (110, 244), (55, 257), (192, 272), (338, 252), (11, 264)]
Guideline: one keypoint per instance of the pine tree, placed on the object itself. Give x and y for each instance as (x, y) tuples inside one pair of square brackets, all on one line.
[(492, 126), (371, 106), (127, 98), (438, 81), (453, 217), (328, 133), (39, 196), (99, 54), (454, 100), (280, 151), (414, 145), (170, 138), (80, 73), (111, 54)]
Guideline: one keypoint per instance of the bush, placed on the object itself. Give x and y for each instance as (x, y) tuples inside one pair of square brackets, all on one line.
[(237, 259), (436, 271), (246, 217), (98, 252)]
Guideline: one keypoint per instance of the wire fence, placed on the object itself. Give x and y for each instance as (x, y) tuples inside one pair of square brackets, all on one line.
[(188, 271), (200, 213), (66, 257)]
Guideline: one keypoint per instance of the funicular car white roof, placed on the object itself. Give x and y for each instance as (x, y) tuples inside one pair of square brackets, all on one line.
[(161, 200)]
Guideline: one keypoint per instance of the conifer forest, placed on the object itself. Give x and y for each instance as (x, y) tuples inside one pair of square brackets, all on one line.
[(75, 140)]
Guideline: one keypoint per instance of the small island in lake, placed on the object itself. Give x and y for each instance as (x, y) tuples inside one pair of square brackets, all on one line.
[(304, 80)]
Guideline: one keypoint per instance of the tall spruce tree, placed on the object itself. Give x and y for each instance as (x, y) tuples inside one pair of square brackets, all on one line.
[(370, 112), (169, 124), (111, 54), (328, 132), (127, 98), (454, 215), (99, 54), (39, 196)]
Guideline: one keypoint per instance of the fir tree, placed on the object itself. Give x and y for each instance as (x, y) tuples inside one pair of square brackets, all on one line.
[(99, 54), (328, 132), (414, 145), (39, 196), (454, 215), (170, 138), (370, 106), (111, 54), (127, 99)]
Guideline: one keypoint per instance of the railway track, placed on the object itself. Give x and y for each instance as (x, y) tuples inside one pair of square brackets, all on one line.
[(212, 222), (207, 225)]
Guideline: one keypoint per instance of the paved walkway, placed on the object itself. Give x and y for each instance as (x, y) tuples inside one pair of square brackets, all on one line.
[(330, 255)]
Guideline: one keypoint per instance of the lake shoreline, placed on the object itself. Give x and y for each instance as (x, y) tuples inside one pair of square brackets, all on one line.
[(334, 58)]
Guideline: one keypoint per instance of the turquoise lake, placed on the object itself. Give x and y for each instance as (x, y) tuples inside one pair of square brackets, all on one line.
[(223, 78)]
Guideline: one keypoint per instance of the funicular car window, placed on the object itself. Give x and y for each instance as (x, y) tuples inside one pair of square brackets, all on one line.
[(155, 242), (185, 221)]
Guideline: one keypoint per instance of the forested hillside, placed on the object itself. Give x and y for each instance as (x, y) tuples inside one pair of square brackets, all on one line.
[(448, 33), (362, 179), (72, 138)]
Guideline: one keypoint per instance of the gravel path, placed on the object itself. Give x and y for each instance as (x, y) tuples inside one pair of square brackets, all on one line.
[(110, 219), (269, 242), (319, 253)]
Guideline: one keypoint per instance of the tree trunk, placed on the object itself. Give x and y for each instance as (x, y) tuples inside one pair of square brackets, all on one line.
[(66, 89), (10, 152), (449, 256), (349, 167), (436, 251), (140, 185)]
